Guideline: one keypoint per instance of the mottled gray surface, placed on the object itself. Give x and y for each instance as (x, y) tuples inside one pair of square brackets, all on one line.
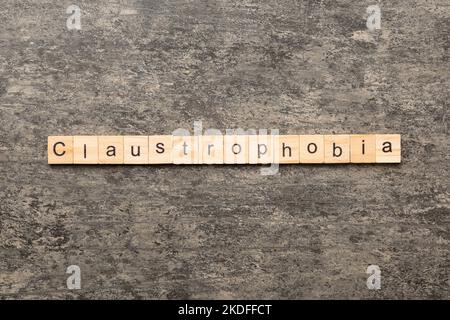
[(224, 231)]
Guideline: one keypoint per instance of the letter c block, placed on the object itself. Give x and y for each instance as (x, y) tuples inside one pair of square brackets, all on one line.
[(60, 150)]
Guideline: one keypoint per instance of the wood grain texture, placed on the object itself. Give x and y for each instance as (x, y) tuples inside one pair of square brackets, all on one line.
[(149, 67)]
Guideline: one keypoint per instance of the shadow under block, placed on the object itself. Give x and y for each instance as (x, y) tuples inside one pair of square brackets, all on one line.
[(211, 149), (337, 148), (159, 149), (362, 148), (312, 148), (260, 149), (60, 150), (388, 148), (235, 149), (183, 149), (286, 149), (110, 149), (85, 149), (135, 149)]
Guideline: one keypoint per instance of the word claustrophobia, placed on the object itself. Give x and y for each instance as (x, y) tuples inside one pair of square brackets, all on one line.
[(225, 149)]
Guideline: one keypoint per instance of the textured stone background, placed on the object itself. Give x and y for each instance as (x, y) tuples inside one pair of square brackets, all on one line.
[(224, 231)]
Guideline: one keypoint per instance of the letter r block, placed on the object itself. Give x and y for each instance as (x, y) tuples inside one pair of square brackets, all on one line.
[(212, 149), (60, 150)]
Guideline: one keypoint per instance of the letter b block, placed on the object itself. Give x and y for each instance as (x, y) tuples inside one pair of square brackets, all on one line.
[(337, 148)]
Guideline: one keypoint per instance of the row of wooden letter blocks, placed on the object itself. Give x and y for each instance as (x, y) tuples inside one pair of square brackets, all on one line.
[(226, 149)]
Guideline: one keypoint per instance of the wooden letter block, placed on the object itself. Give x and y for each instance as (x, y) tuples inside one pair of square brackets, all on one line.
[(135, 149), (286, 149), (160, 149), (388, 148), (85, 150), (60, 150), (337, 148), (212, 149), (312, 149), (260, 149), (235, 149), (110, 149), (183, 149), (362, 148)]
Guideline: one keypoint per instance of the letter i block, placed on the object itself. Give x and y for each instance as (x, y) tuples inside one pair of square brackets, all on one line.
[(388, 148), (235, 149), (312, 149), (85, 150), (260, 149), (159, 149), (286, 149), (60, 150), (135, 149), (183, 150), (337, 148), (110, 149), (212, 149), (362, 148)]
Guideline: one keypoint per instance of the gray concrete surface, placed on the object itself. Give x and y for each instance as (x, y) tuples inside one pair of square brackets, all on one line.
[(164, 232)]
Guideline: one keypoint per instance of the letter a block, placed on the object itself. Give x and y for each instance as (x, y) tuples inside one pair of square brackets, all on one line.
[(388, 148), (110, 149), (60, 150)]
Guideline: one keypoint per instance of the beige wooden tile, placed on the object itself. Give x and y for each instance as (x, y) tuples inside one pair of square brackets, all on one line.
[(312, 149), (160, 149), (110, 149), (60, 149), (135, 149), (362, 148), (388, 148), (260, 149), (85, 149), (286, 149), (183, 150), (235, 149), (337, 148), (212, 149)]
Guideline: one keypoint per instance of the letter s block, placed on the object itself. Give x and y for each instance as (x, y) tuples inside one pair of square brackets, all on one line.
[(60, 150)]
